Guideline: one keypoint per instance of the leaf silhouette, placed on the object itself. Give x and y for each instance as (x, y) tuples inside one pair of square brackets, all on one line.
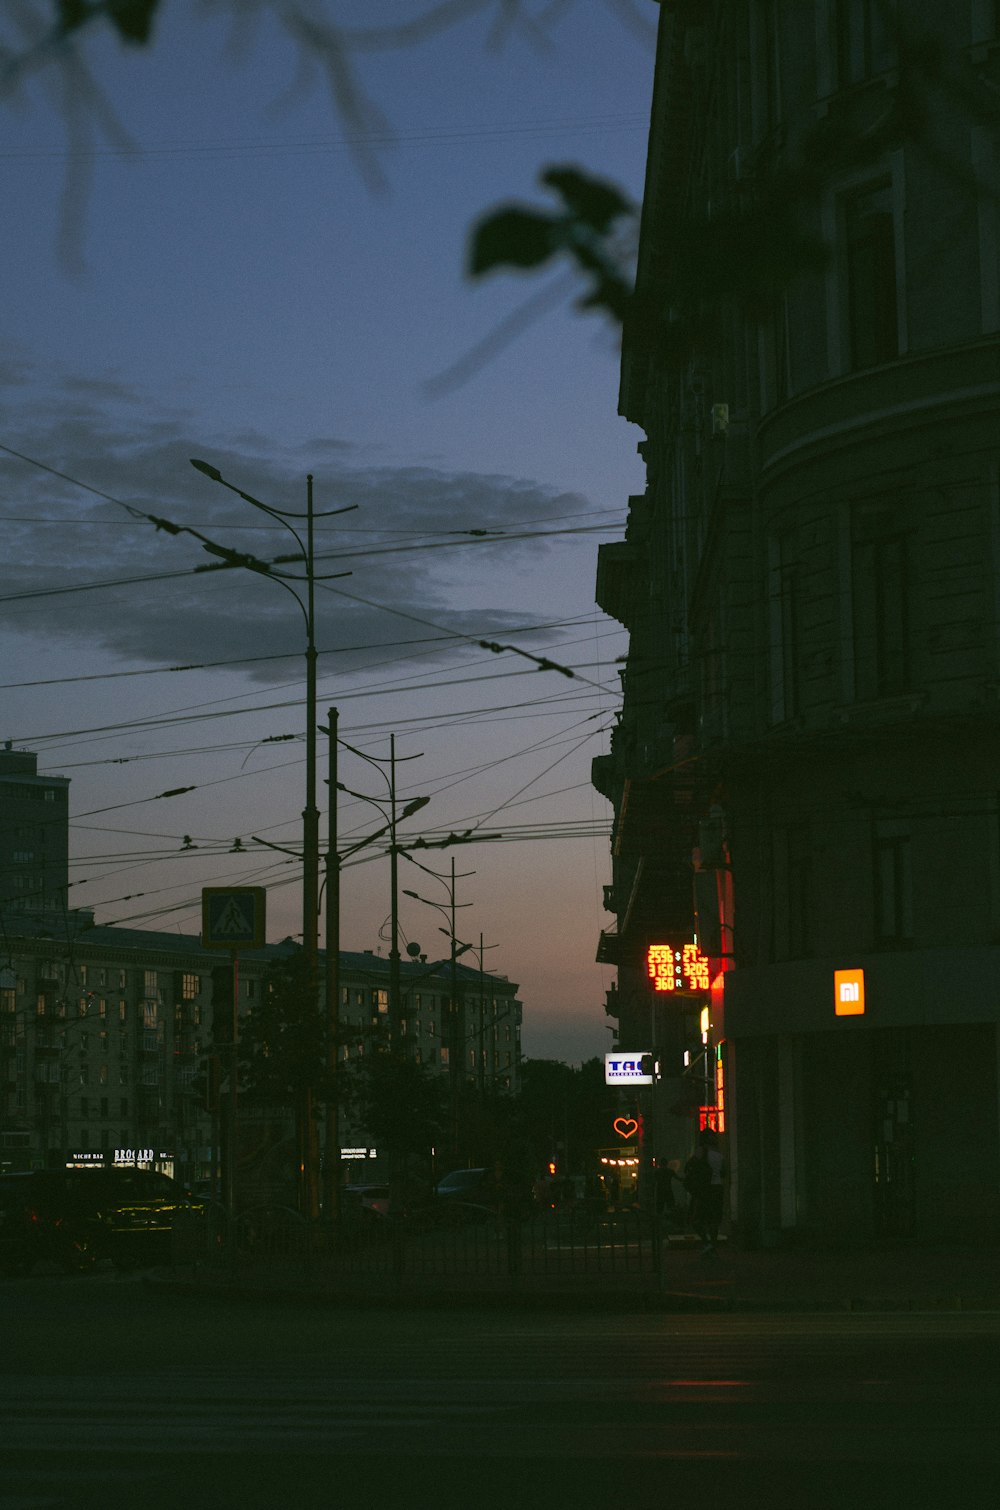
[(512, 237), (594, 201)]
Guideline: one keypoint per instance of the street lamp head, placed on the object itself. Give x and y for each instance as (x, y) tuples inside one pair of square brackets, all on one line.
[(207, 468), (414, 806)]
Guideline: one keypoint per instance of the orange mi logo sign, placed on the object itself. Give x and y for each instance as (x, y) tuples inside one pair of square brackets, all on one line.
[(849, 993)]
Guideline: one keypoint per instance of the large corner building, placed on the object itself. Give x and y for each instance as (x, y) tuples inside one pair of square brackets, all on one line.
[(806, 771)]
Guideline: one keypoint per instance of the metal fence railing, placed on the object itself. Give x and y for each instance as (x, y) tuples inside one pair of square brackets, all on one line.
[(570, 1243)]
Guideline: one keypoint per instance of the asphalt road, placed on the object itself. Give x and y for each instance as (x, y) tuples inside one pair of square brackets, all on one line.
[(115, 1395)]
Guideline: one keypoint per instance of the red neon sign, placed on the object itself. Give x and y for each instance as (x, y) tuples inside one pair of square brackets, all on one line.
[(681, 969)]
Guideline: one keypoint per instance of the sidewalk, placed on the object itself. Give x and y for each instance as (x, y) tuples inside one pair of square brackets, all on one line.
[(896, 1278), (885, 1279)]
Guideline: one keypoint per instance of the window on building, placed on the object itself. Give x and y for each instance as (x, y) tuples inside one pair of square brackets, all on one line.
[(893, 883), (380, 999), (865, 45), (881, 590), (799, 888), (768, 71), (783, 615), (122, 1011), (150, 984), (190, 986), (774, 350), (150, 1015), (870, 264)]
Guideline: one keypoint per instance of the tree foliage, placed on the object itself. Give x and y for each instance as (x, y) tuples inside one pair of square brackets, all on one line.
[(283, 1041), (583, 229), (401, 1105), (756, 237)]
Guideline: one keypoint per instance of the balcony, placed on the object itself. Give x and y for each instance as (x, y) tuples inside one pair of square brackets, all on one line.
[(608, 947), (618, 570), (604, 776)]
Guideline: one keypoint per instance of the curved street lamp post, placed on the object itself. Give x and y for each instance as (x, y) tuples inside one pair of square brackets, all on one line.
[(305, 1112)]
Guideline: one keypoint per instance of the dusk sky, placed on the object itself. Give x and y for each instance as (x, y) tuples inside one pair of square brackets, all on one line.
[(203, 257)]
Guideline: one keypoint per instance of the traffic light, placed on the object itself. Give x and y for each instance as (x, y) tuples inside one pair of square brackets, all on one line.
[(212, 1079), (223, 1006), (552, 1166)]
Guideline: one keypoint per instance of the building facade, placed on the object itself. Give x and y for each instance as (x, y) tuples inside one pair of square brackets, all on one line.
[(34, 834), (108, 1047), (804, 771)]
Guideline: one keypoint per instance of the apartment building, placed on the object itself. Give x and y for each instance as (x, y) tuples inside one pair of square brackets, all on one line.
[(107, 1039), (804, 771)]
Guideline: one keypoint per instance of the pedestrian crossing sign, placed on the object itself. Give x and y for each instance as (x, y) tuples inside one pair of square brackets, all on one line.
[(233, 917)]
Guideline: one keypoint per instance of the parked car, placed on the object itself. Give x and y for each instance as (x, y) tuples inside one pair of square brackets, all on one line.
[(466, 1195), (75, 1216), (370, 1198)]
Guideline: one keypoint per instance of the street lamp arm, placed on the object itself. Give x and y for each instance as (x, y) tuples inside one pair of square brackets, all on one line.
[(295, 853), (206, 468), (462, 875)]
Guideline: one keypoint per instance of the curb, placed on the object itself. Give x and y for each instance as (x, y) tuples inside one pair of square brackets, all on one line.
[(611, 1301)]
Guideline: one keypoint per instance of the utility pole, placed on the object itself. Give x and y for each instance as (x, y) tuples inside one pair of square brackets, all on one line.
[(482, 1023), (331, 1170), (310, 874), (395, 1016)]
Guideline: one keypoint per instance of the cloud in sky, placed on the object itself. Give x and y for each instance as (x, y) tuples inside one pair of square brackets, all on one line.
[(423, 544)]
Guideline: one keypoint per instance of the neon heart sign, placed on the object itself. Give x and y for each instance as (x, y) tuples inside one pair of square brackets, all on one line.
[(625, 1127)]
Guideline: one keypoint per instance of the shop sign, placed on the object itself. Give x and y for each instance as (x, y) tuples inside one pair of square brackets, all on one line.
[(849, 993), (680, 969), (628, 1069)]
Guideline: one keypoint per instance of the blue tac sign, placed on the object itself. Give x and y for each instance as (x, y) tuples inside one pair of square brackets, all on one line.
[(627, 1068), (233, 917)]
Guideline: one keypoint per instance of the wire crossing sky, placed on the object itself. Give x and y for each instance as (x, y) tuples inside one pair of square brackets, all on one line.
[(257, 281)]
